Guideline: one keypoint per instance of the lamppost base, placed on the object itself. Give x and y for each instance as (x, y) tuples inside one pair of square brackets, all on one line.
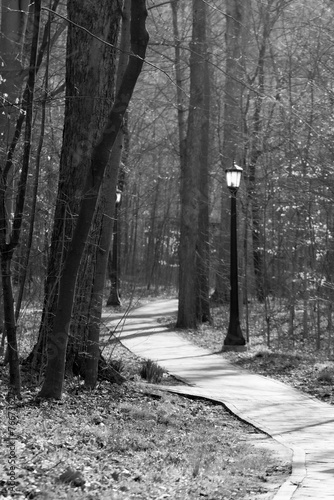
[(234, 348), (114, 300), (234, 340)]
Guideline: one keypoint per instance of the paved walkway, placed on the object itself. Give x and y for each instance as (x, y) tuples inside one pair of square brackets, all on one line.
[(301, 423)]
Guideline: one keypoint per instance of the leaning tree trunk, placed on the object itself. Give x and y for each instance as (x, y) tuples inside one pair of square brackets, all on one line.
[(57, 341), (83, 347), (90, 87), (108, 222)]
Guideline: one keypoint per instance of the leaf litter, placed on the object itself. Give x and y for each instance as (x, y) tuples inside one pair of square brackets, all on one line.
[(132, 442)]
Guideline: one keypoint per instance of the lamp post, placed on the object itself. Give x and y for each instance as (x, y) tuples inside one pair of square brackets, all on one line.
[(234, 339), (114, 298)]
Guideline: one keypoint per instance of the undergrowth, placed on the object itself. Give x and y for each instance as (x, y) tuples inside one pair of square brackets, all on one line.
[(151, 372)]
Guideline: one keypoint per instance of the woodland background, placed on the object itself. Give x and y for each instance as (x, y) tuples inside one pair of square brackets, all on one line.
[(245, 81)]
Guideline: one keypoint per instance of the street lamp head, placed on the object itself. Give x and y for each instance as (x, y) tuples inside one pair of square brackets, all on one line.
[(118, 196), (233, 177)]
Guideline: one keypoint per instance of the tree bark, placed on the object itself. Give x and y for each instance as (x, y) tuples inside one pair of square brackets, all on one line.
[(90, 87), (190, 168), (57, 341), (233, 140), (114, 256), (26, 256), (180, 91), (256, 148), (10, 239), (14, 14), (109, 219), (203, 254)]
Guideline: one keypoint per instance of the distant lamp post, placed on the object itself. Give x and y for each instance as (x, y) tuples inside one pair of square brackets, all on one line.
[(114, 267), (234, 339), (118, 197)]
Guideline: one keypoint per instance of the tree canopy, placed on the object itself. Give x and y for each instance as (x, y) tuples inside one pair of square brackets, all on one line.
[(249, 82)]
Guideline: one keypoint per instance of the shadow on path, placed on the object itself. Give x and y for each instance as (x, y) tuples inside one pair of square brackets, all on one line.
[(299, 422)]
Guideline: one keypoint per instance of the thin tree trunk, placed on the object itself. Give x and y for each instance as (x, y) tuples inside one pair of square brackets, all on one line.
[(114, 264), (203, 260), (292, 300), (108, 223), (134, 235), (23, 276), (7, 249), (152, 237), (13, 18), (255, 153), (14, 14), (10, 326), (180, 91)]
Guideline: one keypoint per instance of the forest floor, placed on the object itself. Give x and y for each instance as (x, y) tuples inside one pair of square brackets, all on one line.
[(134, 441)]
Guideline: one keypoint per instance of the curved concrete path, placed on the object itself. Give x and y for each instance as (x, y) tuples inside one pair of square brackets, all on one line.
[(299, 422)]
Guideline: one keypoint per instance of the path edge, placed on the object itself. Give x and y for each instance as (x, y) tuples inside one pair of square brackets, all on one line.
[(298, 459)]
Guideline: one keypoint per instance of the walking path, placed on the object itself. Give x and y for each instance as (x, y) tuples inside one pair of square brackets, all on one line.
[(299, 422)]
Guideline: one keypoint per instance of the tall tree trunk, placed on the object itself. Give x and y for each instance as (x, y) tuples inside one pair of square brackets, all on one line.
[(203, 254), (233, 141), (152, 236), (114, 262), (57, 341), (134, 233), (190, 192), (90, 87), (24, 267), (180, 91), (14, 14), (114, 259), (10, 239), (255, 152), (108, 223)]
